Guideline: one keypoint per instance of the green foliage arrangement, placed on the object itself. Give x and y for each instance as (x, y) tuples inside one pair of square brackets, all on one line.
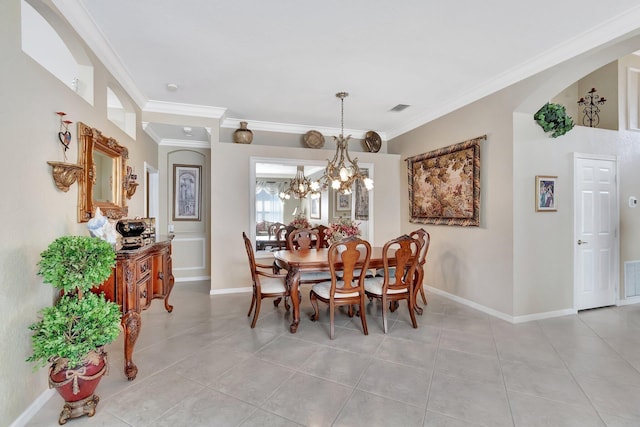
[(554, 118), (80, 321), (72, 328), (76, 262)]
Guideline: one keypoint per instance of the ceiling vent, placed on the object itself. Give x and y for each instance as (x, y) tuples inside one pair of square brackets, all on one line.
[(400, 107)]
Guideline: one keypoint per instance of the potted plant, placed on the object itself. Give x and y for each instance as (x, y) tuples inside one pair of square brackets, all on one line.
[(71, 334)]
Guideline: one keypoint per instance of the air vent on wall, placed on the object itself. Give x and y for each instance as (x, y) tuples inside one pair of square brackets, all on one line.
[(400, 107)]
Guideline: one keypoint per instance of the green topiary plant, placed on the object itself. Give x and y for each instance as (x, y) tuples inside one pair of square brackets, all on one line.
[(80, 321), (554, 118)]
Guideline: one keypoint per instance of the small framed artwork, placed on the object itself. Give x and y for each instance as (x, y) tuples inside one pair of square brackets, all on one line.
[(186, 192), (546, 193), (343, 202), (314, 207)]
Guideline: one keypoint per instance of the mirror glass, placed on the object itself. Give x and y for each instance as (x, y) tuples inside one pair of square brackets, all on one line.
[(104, 168), (272, 176)]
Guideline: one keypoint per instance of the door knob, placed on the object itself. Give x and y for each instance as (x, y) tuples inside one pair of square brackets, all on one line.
[(580, 242)]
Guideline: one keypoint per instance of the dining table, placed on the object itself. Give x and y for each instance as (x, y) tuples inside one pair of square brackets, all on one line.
[(308, 260)]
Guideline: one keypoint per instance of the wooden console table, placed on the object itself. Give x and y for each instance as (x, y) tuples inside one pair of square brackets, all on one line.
[(140, 275)]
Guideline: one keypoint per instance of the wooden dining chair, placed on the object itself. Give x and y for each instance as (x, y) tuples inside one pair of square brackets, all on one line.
[(323, 241), (397, 283), (423, 236), (266, 284), (302, 239), (348, 289)]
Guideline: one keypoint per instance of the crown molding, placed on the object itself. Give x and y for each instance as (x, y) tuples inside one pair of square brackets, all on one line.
[(78, 17), (149, 131), (625, 25), (182, 143), (193, 110)]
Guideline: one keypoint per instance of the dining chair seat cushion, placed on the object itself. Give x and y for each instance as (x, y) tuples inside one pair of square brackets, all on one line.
[(308, 276), (272, 285), (323, 289), (380, 272), (357, 272), (374, 285)]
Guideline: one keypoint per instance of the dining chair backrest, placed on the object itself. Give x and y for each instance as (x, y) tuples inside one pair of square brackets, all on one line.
[(423, 236), (303, 238), (406, 252), (348, 256), (274, 228), (252, 259), (323, 241)]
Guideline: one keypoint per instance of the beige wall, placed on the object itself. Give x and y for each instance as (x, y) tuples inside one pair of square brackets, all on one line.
[(34, 211), (474, 263), (230, 210), (517, 262)]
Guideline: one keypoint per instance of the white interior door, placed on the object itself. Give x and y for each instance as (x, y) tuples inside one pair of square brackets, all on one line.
[(596, 232)]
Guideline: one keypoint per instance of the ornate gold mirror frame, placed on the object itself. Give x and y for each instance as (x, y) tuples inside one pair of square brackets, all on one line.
[(104, 163)]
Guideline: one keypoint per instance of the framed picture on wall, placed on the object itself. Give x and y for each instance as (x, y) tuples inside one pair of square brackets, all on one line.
[(343, 202), (186, 192), (314, 207), (546, 193)]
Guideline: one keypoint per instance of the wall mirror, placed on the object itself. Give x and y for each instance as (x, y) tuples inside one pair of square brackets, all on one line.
[(269, 175), (104, 164)]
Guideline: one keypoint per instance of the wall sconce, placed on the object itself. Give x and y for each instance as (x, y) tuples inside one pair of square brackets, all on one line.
[(130, 184), (591, 111)]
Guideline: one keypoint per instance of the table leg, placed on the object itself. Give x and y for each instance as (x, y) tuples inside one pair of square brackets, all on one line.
[(293, 282), (131, 323)]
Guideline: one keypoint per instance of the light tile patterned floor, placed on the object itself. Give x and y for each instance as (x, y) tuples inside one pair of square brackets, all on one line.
[(202, 365)]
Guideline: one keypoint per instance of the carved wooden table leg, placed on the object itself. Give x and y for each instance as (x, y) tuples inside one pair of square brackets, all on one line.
[(293, 281), (167, 306), (131, 323)]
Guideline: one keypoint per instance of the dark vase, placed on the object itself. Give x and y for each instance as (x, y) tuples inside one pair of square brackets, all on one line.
[(243, 135)]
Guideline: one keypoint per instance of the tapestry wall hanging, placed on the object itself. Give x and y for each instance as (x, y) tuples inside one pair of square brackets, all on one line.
[(444, 185)]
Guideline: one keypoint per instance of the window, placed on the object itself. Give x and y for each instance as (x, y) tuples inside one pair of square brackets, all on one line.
[(268, 207)]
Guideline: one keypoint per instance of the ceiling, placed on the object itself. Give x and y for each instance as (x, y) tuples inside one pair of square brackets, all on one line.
[(280, 63)]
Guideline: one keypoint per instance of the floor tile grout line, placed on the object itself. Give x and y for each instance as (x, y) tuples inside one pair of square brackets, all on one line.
[(504, 382), (570, 371), (433, 373)]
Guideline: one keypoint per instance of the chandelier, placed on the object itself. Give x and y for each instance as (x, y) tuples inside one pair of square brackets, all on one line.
[(300, 187), (342, 171)]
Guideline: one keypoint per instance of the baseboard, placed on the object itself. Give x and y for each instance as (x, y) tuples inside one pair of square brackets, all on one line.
[(230, 291), (628, 301), (545, 315), (499, 314), (191, 279), (33, 409)]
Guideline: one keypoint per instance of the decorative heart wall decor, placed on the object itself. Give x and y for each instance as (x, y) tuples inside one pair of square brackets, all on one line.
[(65, 139)]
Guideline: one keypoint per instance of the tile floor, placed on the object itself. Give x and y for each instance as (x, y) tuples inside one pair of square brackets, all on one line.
[(203, 366)]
